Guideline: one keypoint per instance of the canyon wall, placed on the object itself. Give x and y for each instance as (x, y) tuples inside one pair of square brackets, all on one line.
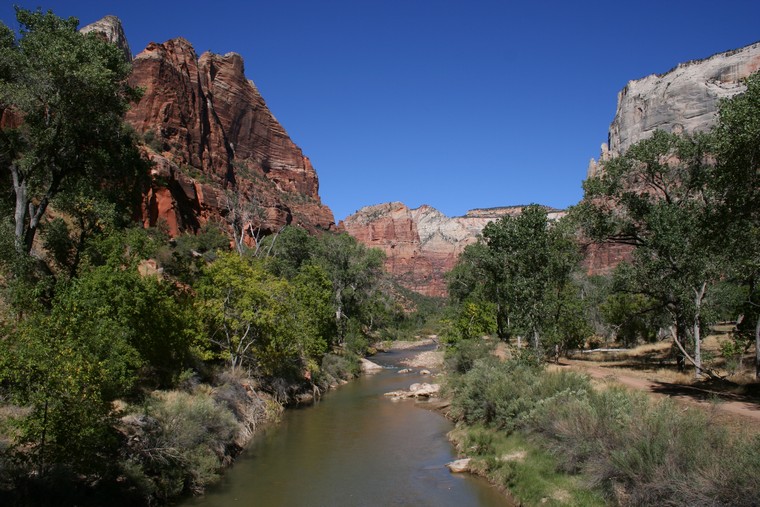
[(216, 148), (685, 99), (421, 245)]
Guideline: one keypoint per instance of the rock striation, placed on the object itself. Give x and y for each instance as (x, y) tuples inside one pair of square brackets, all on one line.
[(215, 145), (421, 245), (685, 99)]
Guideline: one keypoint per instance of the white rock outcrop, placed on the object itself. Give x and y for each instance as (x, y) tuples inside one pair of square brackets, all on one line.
[(683, 99)]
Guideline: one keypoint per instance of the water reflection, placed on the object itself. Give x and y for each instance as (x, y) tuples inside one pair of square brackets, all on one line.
[(354, 448)]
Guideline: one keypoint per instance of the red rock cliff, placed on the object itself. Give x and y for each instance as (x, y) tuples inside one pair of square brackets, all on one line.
[(421, 245), (212, 137)]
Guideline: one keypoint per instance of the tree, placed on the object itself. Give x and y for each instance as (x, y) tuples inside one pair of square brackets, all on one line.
[(354, 271), (657, 197), (533, 260), (62, 98), (249, 315), (737, 152), (105, 330)]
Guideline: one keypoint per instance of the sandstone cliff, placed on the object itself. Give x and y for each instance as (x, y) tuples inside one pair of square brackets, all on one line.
[(110, 28), (684, 99), (423, 244), (215, 144)]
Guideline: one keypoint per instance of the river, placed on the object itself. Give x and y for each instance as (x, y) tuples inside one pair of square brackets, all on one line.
[(353, 448)]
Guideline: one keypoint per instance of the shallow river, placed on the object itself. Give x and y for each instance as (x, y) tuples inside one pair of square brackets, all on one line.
[(353, 448)]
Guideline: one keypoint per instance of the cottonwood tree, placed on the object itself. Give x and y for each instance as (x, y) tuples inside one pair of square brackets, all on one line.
[(355, 272), (522, 268), (657, 197), (737, 151), (62, 98)]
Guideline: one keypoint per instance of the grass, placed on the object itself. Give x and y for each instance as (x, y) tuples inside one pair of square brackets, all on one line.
[(514, 463)]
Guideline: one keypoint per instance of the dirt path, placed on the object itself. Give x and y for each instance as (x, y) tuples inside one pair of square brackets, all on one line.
[(732, 405)]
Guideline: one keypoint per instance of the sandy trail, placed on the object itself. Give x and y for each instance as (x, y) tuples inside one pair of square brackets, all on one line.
[(730, 404)]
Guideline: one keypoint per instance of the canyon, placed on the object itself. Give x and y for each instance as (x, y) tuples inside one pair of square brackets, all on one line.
[(422, 244), (219, 155)]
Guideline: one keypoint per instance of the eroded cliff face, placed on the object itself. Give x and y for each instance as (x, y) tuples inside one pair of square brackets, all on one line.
[(215, 145), (684, 99), (421, 245)]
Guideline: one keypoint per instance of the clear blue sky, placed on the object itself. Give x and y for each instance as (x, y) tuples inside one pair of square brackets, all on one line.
[(455, 104)]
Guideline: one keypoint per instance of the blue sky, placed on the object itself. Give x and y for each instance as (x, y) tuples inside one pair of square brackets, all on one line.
[(455, 104)]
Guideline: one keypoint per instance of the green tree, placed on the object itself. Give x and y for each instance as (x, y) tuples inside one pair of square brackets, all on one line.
[(355, 272), (737, 182), (63, 95), (104, 331), (249, 315), (532, 260), (290, 249), (657, 197), (312, 294)]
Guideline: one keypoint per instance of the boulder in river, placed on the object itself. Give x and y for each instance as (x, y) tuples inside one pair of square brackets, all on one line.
[(459, 466), (423, 390), (369, 367)]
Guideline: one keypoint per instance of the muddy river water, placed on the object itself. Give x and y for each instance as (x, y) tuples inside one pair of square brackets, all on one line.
[(353, 448)]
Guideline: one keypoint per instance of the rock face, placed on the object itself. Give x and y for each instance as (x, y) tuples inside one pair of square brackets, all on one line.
[(215, 145), (421, 244), (111, 29), (684, 99)]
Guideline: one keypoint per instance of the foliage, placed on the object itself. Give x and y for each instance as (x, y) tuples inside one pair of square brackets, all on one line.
[(737, 153), (523, 268), (354, 271), (461, 357), (469, 320), (184, 443), (246, 313), (67, 93), (500, 393), (657, 198), (630, 315), (184, 256), (641, 451)]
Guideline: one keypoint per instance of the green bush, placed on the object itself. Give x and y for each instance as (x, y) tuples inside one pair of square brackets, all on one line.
[(461, 357), (181, 442), (335, 368)]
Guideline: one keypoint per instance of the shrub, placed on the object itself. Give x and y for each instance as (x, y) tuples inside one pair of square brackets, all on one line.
[(181, 442), (461, 357), (335, 368)]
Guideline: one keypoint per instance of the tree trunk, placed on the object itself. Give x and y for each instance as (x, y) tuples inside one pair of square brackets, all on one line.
[(757, 348), (19, 187), (699, 296)]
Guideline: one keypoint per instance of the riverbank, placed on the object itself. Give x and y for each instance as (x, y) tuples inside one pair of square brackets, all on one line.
[(611, 444), (523, 472)]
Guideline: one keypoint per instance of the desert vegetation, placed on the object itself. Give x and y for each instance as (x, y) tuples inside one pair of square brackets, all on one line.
[(686, 206), (135, 366)]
